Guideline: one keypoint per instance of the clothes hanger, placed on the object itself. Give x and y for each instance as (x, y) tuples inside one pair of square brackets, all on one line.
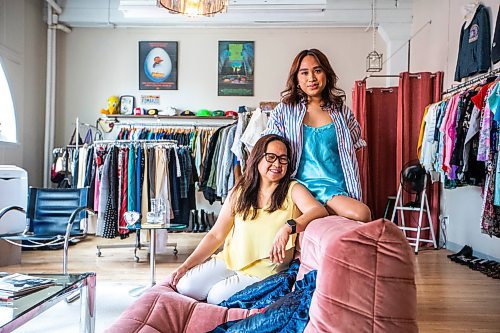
[(469, 10)]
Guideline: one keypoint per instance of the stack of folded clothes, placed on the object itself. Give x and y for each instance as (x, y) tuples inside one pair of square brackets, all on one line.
[(465, 257)]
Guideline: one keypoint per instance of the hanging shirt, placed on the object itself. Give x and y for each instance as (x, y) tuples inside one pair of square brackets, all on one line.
[(421, 135), (474, 54), (429, 146), (494, 101)]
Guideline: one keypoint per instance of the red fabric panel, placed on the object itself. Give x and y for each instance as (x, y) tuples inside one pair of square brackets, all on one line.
[(416, 91), (359, 110), (381, 117)]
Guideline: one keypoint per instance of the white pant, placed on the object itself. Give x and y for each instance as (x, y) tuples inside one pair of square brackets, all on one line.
[(213, 281)]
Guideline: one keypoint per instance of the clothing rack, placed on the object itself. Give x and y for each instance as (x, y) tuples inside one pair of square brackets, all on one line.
[(471, 82), (98, 132), (137, 245)]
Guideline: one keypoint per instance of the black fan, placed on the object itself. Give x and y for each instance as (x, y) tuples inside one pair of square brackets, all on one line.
[(413, 181)]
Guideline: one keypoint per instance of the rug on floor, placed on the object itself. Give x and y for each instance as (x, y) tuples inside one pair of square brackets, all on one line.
[(112, 299)]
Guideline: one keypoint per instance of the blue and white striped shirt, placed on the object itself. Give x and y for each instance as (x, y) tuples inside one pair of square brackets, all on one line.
[(286, 120)]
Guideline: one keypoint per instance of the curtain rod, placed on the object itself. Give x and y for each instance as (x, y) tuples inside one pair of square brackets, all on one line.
[(376, 75), (470, 82), (392, 75)]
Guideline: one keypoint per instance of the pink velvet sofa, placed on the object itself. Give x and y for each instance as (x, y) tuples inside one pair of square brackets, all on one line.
[(365, 283)]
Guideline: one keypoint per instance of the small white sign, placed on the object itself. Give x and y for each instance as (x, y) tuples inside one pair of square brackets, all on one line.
[(150, 100)]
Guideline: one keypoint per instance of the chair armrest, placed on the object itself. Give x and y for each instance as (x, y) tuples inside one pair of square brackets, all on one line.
[(68, 231), (19, 209), (73, 216), (7, 209)]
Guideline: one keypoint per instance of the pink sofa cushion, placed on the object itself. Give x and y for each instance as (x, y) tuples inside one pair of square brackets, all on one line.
[(365, 279), (162, 309), (365, 283)]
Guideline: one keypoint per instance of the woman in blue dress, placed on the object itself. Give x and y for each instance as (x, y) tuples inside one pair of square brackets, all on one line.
[(323, 133)]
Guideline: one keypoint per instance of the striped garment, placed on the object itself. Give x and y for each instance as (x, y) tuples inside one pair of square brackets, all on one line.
[(286, 120)]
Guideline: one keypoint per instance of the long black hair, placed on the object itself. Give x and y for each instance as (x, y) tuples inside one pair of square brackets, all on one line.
[(247, 188), (331, 95)]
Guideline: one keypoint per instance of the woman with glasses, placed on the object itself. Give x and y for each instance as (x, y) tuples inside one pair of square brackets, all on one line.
[(323, 134), (257, 225)]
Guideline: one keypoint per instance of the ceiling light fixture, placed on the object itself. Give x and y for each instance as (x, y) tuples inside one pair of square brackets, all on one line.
[(374, 59), (195, 7)]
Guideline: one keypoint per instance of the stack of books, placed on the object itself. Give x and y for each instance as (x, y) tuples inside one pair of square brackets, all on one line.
[(16, 285)]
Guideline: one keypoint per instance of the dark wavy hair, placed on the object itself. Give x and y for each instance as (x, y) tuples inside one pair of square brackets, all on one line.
[(247, 188), (332, 95)]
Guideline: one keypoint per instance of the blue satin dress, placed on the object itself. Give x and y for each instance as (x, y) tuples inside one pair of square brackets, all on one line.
[(319, 168)]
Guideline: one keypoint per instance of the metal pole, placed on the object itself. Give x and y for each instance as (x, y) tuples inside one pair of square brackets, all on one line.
[(48, 95), (409, 51), (152, 256)]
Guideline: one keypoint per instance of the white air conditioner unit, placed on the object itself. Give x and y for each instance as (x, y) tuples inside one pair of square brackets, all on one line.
[(142, 9), (150, 8), (277, 5)]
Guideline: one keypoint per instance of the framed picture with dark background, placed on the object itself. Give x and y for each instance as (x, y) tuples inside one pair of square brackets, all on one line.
[(236, 68), (157, 65)]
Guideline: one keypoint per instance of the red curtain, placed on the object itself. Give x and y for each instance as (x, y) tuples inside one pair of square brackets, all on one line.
[(376, 111), (390, 123), (359, 110), (416, 91), (382, 117)]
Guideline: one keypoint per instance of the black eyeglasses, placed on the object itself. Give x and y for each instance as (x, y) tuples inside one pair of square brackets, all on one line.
[(271, 158)]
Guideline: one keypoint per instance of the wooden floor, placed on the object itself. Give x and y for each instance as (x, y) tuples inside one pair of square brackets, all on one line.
[(451, 297)]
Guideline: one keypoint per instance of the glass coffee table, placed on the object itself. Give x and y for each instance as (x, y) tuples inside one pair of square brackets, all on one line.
[(17, 312)]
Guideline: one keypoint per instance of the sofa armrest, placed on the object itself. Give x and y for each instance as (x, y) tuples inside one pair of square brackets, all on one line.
[(365, 279), (162, 309)]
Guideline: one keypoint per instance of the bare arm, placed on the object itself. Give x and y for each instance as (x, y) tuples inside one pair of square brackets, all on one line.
[(311, 209), (210, 243)]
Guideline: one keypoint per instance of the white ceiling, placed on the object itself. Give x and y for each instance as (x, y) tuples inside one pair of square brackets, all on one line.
[(240, 13)]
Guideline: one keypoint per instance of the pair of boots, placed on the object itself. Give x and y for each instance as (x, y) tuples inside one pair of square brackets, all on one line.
[(203, 224)]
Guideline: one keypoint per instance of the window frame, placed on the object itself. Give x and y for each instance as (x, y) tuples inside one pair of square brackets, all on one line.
[(11, 139)]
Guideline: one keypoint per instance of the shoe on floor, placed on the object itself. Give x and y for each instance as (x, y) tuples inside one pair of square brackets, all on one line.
[(466, 251)]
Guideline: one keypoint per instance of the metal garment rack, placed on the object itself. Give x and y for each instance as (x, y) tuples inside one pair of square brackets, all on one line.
[(471, 82), (137, 245), (113, 142), (167, 121)]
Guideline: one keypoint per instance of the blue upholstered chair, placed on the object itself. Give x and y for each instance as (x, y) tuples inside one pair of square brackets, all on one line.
[(53, 218)]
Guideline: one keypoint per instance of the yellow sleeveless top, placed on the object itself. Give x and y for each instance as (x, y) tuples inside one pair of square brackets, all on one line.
[(246, 248)]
